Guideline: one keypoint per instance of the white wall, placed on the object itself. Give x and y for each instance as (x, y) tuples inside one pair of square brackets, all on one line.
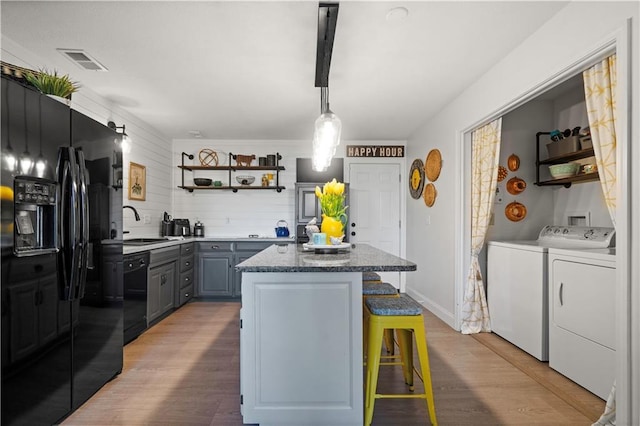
[(228, 214), (150, 148), (434, 243)]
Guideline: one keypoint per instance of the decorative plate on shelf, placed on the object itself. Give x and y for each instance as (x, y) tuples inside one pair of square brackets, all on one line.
[(433, 165), (416, 178), (430, 194)]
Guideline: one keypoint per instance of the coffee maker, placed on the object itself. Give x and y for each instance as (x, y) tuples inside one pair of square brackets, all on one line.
[(181, 227)]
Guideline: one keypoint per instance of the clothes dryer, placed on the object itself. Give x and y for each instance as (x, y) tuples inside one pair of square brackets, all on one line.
[(517, 282)]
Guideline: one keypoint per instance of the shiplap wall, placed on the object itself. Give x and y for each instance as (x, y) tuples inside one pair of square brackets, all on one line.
[(225, 213)]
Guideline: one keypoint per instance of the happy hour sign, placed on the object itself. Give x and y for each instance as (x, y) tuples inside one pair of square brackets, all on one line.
[(375, 151)]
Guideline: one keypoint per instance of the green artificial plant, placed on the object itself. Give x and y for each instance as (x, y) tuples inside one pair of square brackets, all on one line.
[(52, 83)]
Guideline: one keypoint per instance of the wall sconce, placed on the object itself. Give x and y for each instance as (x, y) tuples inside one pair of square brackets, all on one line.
[(124, 142)]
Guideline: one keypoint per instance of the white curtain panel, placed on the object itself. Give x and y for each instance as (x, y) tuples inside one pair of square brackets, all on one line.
[(600, 95), (486, 154)]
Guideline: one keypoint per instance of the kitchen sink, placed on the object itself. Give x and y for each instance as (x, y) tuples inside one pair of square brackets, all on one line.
[(143, 241)]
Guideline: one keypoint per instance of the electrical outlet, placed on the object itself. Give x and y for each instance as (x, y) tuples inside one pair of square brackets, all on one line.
[(428, 220), (147, 219)]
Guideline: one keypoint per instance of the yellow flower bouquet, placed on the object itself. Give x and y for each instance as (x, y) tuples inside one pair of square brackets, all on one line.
[(334, 217)]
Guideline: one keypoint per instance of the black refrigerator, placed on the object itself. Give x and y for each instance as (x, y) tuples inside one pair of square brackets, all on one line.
[(61, 305)]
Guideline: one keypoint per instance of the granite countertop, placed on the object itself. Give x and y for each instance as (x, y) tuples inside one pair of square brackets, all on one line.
[(174, 241), (293, 258)]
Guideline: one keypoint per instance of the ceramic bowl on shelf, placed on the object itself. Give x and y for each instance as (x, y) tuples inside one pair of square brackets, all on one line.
[(202, 181), (560, 171), (245, 180)]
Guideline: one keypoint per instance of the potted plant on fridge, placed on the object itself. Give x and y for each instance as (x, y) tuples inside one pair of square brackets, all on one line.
[(51, 83)]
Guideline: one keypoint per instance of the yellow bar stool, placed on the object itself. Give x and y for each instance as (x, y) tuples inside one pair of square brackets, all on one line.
[(405, 316), (378, 289)]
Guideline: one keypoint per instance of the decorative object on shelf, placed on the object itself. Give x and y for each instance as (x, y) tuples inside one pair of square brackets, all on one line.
[(565, 170), (334, 217), (430, 194), (416, 178), (515, 211), (589, 168), (245, 180), (262, 161), (336, 241), (208, 157), (570, 156), (217, 183), (50, 83), (137, 182), (244, 160), (513, 162), (515, 185), (202, 181), (502, 173), (433, 165), (271, 160)]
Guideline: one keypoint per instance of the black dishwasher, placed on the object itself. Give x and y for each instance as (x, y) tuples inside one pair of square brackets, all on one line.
[(135, 294)]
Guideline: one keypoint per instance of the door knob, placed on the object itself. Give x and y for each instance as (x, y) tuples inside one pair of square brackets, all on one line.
[(353, 234)]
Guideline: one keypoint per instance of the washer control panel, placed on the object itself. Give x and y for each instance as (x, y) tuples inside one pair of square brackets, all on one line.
[(578, 236)]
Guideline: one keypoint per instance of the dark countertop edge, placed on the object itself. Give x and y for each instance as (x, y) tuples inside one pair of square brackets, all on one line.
[(129, 249)]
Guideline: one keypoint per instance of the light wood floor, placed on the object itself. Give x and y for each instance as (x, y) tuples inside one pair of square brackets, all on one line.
[(185, 371)]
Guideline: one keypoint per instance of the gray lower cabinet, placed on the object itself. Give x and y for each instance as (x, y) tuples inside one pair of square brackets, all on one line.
[(242, 252), (215, 262), (161, 282), (184, 289)]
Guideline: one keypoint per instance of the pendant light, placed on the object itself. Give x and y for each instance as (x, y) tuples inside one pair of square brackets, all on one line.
[(326, 137), (328, 127), (9, 159), (25, 162)]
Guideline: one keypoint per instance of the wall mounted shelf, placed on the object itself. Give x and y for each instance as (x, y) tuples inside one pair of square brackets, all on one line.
[(565, 158), (232, 169)]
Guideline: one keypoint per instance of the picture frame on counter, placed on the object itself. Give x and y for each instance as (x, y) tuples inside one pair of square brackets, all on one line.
[(137, 182)]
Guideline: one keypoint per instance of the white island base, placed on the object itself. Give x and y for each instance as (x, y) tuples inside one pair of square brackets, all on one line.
[(301, 348)]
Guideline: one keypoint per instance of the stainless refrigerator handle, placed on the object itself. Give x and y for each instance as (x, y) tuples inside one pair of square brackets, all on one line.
[(84, 223)]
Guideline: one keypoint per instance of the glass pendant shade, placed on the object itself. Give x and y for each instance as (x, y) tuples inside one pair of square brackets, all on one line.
[(9, 159), (126, 144), (26, 163), (326, 138)]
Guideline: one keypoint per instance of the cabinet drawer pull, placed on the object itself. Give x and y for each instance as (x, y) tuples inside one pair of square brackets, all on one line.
[(215, 247), (187, 263), (186, 295)]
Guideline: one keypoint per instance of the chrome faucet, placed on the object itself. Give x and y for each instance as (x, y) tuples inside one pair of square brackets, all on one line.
[(135, 212)]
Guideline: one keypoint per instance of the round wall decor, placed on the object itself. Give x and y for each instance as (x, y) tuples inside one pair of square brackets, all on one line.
[(416, 178), (502, 173), (515, 211), (515, 185), (513, 162), (433, 165), (430, 194)]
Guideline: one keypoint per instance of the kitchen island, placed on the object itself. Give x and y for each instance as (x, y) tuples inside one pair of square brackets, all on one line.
[(301, 334)]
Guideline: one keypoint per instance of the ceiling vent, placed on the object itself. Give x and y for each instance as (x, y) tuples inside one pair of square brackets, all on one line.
[(82, 59)]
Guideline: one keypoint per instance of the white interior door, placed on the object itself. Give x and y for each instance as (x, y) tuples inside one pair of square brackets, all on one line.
[(374, 209)]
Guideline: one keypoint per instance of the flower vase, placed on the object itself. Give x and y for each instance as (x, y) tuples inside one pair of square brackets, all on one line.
[(332, 227)]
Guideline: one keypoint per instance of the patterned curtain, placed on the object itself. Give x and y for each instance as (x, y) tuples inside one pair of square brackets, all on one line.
[(600, 95), (486, 153)]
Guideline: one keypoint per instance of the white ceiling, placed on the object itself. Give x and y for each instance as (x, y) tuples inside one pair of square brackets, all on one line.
[(246, 70)]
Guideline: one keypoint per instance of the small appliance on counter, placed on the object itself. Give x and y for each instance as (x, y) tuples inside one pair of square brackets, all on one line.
[(166, 226), (198, 229), (181, 227)]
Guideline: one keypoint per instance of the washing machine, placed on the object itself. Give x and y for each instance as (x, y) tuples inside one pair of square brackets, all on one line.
[(582, 317), (517, 282)]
